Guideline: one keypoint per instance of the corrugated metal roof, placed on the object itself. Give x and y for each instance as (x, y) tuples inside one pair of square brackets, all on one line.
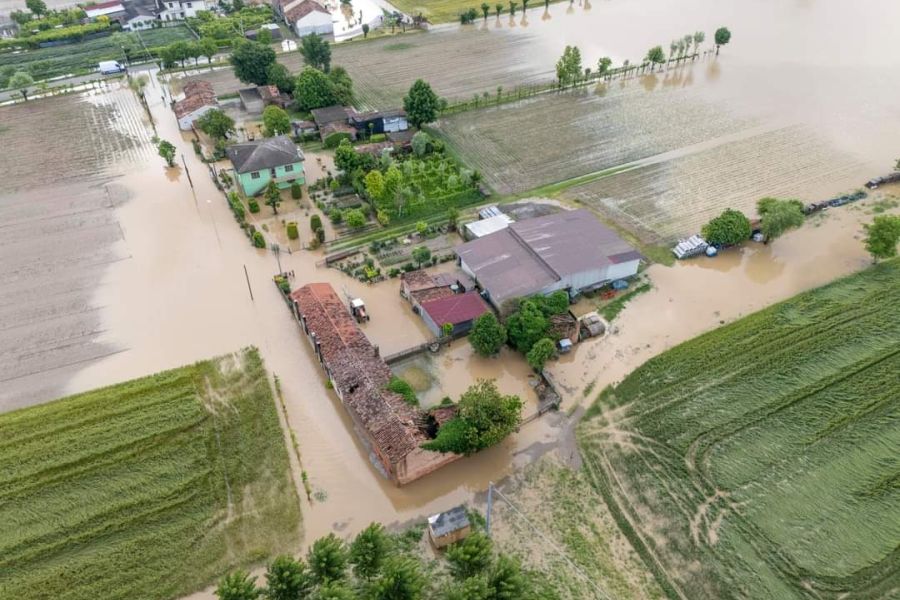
[(456, 308), (449, 521)]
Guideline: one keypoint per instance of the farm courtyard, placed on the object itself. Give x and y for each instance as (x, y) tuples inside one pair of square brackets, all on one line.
[(760, 459)]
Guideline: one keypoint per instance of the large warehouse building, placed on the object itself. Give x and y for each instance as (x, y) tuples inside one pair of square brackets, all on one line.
[(569, 250)]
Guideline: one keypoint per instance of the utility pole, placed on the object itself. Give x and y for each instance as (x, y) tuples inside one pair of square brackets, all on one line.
[(490, 505), (277, 250), (248, 283)]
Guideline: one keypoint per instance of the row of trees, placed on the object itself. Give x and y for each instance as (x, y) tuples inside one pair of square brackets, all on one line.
[(733, 227), (378, 565)]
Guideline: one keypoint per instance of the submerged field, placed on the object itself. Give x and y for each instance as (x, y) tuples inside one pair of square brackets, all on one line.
[(761, 459), (147, 489)]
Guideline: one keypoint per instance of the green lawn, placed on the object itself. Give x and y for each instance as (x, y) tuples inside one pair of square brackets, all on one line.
[(148, 489), (762, 460), (45, 63)]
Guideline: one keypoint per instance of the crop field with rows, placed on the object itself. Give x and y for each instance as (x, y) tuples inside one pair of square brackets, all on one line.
[(147, 489), (761, 460)]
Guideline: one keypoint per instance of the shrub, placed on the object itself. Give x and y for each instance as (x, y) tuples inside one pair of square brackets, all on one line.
[(540, 353), (378, 137), (253, 205), (402, 387), (296, 191), (485, 417), (320, 235), (258, 240), (333, 140), (315, 222), (292, 232), (355, 218), (236, 207), (336, 215)]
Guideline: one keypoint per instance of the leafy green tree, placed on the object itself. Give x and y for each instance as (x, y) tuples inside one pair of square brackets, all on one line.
[(526, 326), (506, 579), (487, 335), (420, 104), (778, 216), (656, 56), (21, 81), (275, 121), (603, 66), (287, 579), (208, 47), (335, 590), (542, 351), (421, 255), (167, 151), (273, 196), (369, 551), (401, 579), (237, 586), (473, 588), (472, 556), (512, 7), (296, 190), (485, 9), (568, 67), (328, 559), (421, 228), (882, 236), (38, 7), (374, 183), (420, 143), (278, 75), (216, 124), (383, 217), (491, 415), (313, 89), (355, 218), (251, 61), (316, 52), (341, 86), (556, 303), (365, 30), (730, 228), (722, 37), (699, 38)]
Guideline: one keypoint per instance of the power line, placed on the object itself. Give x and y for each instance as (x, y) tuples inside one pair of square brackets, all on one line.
[(493, 490)]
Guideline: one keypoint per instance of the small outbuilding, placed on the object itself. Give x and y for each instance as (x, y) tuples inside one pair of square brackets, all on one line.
[(459, 310), (483, 227), (199, 98), (449, 527)]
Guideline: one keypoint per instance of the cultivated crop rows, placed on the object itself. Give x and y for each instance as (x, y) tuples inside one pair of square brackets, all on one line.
[(555, 137), (765, 453), (145, 489), (675, 195)]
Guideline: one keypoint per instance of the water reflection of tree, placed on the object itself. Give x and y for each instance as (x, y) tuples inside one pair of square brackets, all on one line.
[(650, 81), (762, 267), (713, 71), (546, 16)]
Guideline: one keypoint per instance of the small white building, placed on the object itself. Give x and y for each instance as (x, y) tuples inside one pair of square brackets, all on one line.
[(483, 227), (199, 99), (179, 10), (104, 9), (308, 16)]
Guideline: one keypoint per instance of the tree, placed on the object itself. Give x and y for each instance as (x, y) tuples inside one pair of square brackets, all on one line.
[(512, 7), (167, 151), (313, 89), (730, 228), (316, 52), (421, 255), (472, 556), (420, 143), (421, 227), (287, 579), (341, 86), (526, 326), (208, 47), (490, 415), (603, 66), (499, 9), (38, 7), (278, 75), (237, 586), (216, 124), (335, 590), (655, 55), (369, 550), (487, 335), (420, 104), (722, 37), (374, 183), (699, 38), (506, 580), (542, 351), (365, 30), (882, 236), (21, 81), (401, 579), (275, 121), (473, 588), (327, 559), (485, 9), (355, 218), (251, 61), (568, 67), (273, 195), (777, 216)]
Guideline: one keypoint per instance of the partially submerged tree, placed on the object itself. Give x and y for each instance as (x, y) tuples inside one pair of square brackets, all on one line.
[(542, 351), (216, 124), (722, 37), (568, 67), (484, 417), (778, 216), (656, 56), (251, 61), (882, 236), (421, 255), (487, 335), (167, 150), (730, 228), (526, 326), (421, 104), (316, 52), (273, 196), (485, 9)]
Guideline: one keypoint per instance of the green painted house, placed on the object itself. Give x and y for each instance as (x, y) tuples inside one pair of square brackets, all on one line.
[(258, 162)]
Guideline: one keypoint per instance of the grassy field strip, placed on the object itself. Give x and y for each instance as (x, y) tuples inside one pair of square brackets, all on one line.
[(761, 459), (150, 488)]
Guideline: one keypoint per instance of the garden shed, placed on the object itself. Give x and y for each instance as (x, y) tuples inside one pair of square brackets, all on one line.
[(449, 527), (459, 310)]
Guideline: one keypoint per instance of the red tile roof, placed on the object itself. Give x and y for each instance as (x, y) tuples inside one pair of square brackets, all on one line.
[(196, 95), (455, 309), (102, 5), (294, 12)]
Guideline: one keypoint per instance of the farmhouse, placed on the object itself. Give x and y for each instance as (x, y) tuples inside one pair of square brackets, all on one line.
[(306, 17), (392, 429), (138, 16), (569, 250), (459, 310), (270, 159), (199, 98)]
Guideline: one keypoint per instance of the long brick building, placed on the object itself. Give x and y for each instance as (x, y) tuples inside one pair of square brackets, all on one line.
[(390, 427)]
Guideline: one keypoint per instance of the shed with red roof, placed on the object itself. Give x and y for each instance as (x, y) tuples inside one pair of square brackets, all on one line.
[(460, 310)]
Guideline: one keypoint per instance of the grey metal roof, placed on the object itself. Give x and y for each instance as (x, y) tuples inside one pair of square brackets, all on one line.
[(530, 255), (447, 522), (329, 114), (264, 154)]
